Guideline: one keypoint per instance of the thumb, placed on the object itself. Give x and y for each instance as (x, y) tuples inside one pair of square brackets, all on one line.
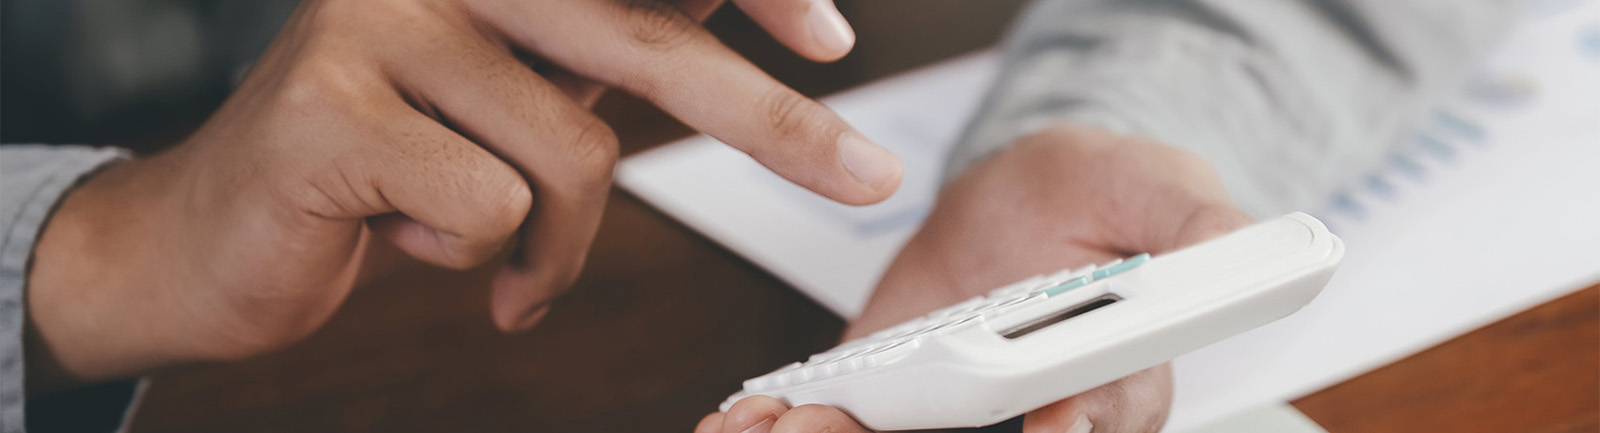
[(1134, 404), (1171, 224), (1207, 222)]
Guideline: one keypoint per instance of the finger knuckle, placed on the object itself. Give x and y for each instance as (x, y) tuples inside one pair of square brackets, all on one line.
[(315, 86), (595, 149), (467, 251), (788, 113), (659, 24), (507, 207), (500, 201), (333, 189)]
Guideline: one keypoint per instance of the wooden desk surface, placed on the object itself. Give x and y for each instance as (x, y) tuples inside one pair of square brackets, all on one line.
[(665, 323)]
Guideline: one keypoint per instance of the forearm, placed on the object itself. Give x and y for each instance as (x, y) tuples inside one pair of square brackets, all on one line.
[(90, 318), (1285, 98)]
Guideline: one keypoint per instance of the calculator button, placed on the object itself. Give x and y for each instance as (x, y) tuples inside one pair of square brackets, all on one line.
[(967, 311), (931, 330), (851, 342), (886, 334), (827, 356), (1025, 286), (1065, 287), (860, 350), (906, 332), (766, 381), (931, 325), (830, 357), (853, 364), (898, 330), (1014, 299), (1121, 266), (1065, 274), (957, 308), (757, 384), (802, 375), (1014, 305), (889, 354), (956, 325), (985, 308), (778, 381), (827, 370)]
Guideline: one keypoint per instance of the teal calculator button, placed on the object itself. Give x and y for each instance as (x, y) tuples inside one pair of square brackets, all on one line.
[(1064, 287), (1130, 263)]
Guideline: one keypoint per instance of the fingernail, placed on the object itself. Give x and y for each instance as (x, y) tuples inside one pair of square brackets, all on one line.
[(829, 28), (764, 427), (868, 162), (1082, 425), (533, 317)]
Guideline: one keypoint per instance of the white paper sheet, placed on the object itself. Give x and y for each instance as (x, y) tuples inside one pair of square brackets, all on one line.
[(1492, 207), (1269, 418)]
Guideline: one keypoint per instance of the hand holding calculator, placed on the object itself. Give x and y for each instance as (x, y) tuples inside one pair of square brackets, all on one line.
[(1049, 337)]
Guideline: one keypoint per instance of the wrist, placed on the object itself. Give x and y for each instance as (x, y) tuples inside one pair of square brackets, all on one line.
[(90, 301)]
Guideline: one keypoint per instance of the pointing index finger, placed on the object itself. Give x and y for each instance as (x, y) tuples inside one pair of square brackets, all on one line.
[(653, 50)]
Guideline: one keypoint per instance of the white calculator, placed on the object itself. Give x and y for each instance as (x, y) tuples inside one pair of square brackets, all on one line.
[(1049, 337)]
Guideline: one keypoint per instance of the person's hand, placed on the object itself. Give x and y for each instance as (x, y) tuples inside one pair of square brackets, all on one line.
[(1062, 198), (440, 128)]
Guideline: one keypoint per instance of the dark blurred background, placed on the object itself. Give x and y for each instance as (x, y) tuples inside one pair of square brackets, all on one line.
[(142, 73)]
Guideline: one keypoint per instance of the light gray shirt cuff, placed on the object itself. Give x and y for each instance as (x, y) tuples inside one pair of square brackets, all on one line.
[(33, 179)]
